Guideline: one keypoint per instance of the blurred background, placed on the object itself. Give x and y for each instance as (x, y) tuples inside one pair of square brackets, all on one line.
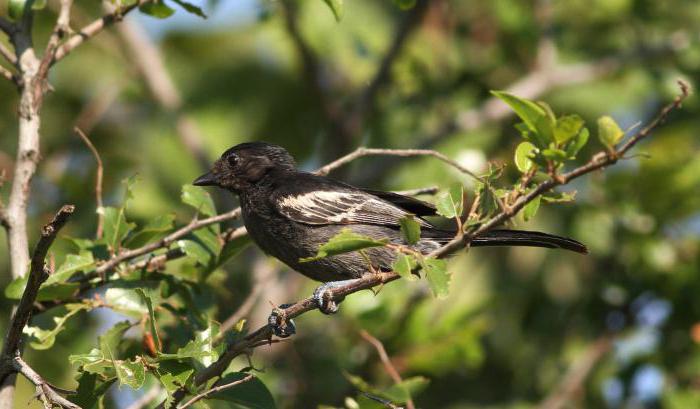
[(522, 328)]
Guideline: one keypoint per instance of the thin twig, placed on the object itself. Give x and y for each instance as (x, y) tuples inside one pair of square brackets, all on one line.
[(379, 278), (390, 369), (61, 28), (214, 390), (574, 378), (8, 54), (94, 28), (98, 180), (44, 389)]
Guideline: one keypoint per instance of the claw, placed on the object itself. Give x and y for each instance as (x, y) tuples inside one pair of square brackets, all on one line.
[(279, 324), (324, 296)]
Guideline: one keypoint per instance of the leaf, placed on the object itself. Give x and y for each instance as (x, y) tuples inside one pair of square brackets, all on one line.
[(155, 228), (199, 199), (151, 316), (344, 242), (191, 8), (15, 289), (531, 208), (577, 143), (109, 341), (559, 197), (410, 229), (437, 276), (91, 390), (405, 4), (554, 154), (527, 110), (406, 389), (174, 375), (126, 301), (72, 264), (15, 9), (567, 127), (404, 265), (130, 373), (609, 132), (336, 7), (523, 153), (46, 338), (231, 249), (201, 348), (196, 251), (157, 9), (116, 228), (451, 203), (251, 394)]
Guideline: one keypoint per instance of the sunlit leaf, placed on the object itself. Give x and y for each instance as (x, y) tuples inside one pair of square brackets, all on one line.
[(72, 264), (523, 153), (530, 209), (130, 373), (575, 145), (154, 229), (44, 339), (336, 7), (404, 265), (451, 203), (116, 228), (437, 276), (410, 229), (198, 198), (567, 127), (345, 242), (609, 132), (527, 110)]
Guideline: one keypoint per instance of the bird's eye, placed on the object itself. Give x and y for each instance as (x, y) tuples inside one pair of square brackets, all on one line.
[(232, 160)]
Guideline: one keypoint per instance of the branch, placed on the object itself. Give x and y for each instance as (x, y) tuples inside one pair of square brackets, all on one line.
[(214, 390), (93, 29), (367, 281), (8, 75), (60, 29), (573, 379), (98, 180), (390, 369), (46, 391), (8, 54), (37, 275), (7, 26)]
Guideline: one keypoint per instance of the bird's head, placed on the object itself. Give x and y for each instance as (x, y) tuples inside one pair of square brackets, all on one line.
[(243, 165)]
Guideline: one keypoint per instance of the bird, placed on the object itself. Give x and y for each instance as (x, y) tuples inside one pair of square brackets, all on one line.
[(290, 213)]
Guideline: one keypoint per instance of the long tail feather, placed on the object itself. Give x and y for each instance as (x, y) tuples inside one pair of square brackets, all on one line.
[(527, 238)]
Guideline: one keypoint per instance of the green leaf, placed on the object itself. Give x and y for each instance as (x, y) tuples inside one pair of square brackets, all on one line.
[(154, 229), (91, 390), (201, 348), (157, 9), (406, 389), (554, 154), (130, 373), (559, 197), (410, 229), (46, 338), (116, 228), (531, 208), (251, 394), (196, 251), (336, 7), (575, 145), (151, 316), (15, 9), (15, 289), (404, 265), (609, 132), (567, 127), (110, 340), (523, 153), (191, 8), (174, 375), (529, 111), (345, 242), (126, 301), (437, 276), (405, 4), (199, 199), (72, 264), (451, 203), (231, 249)]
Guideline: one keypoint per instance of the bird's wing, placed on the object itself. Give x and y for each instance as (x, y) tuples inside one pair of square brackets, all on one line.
[(408, 203), (319, 207)]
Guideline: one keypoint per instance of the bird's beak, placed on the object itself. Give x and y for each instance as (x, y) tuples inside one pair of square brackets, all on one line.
[(207, 179)]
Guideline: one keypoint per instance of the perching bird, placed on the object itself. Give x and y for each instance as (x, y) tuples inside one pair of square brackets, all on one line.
[(290, 213)]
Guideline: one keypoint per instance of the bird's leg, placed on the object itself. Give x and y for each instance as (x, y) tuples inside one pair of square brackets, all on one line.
[(323, 295), (279, 324)]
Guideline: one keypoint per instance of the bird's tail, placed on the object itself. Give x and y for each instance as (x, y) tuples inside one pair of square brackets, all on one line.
[(527, 238)]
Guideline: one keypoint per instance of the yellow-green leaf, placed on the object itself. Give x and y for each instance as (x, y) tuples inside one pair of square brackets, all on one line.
[(609, 132)]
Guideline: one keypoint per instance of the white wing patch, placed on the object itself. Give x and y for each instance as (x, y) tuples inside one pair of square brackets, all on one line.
[(326, 207)]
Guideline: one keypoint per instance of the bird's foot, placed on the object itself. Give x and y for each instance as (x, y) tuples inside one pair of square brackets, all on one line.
[(324, 296), (279, 324)]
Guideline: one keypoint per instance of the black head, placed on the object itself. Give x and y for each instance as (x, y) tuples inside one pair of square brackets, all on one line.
[(245, 164)]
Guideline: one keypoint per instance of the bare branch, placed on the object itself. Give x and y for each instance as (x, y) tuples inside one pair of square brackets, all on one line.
[(45, 390), (98, 180), (37, 275), (214, 390), (93, 29), (8, 54), (390, 369), (60, 29), (574, 378)]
